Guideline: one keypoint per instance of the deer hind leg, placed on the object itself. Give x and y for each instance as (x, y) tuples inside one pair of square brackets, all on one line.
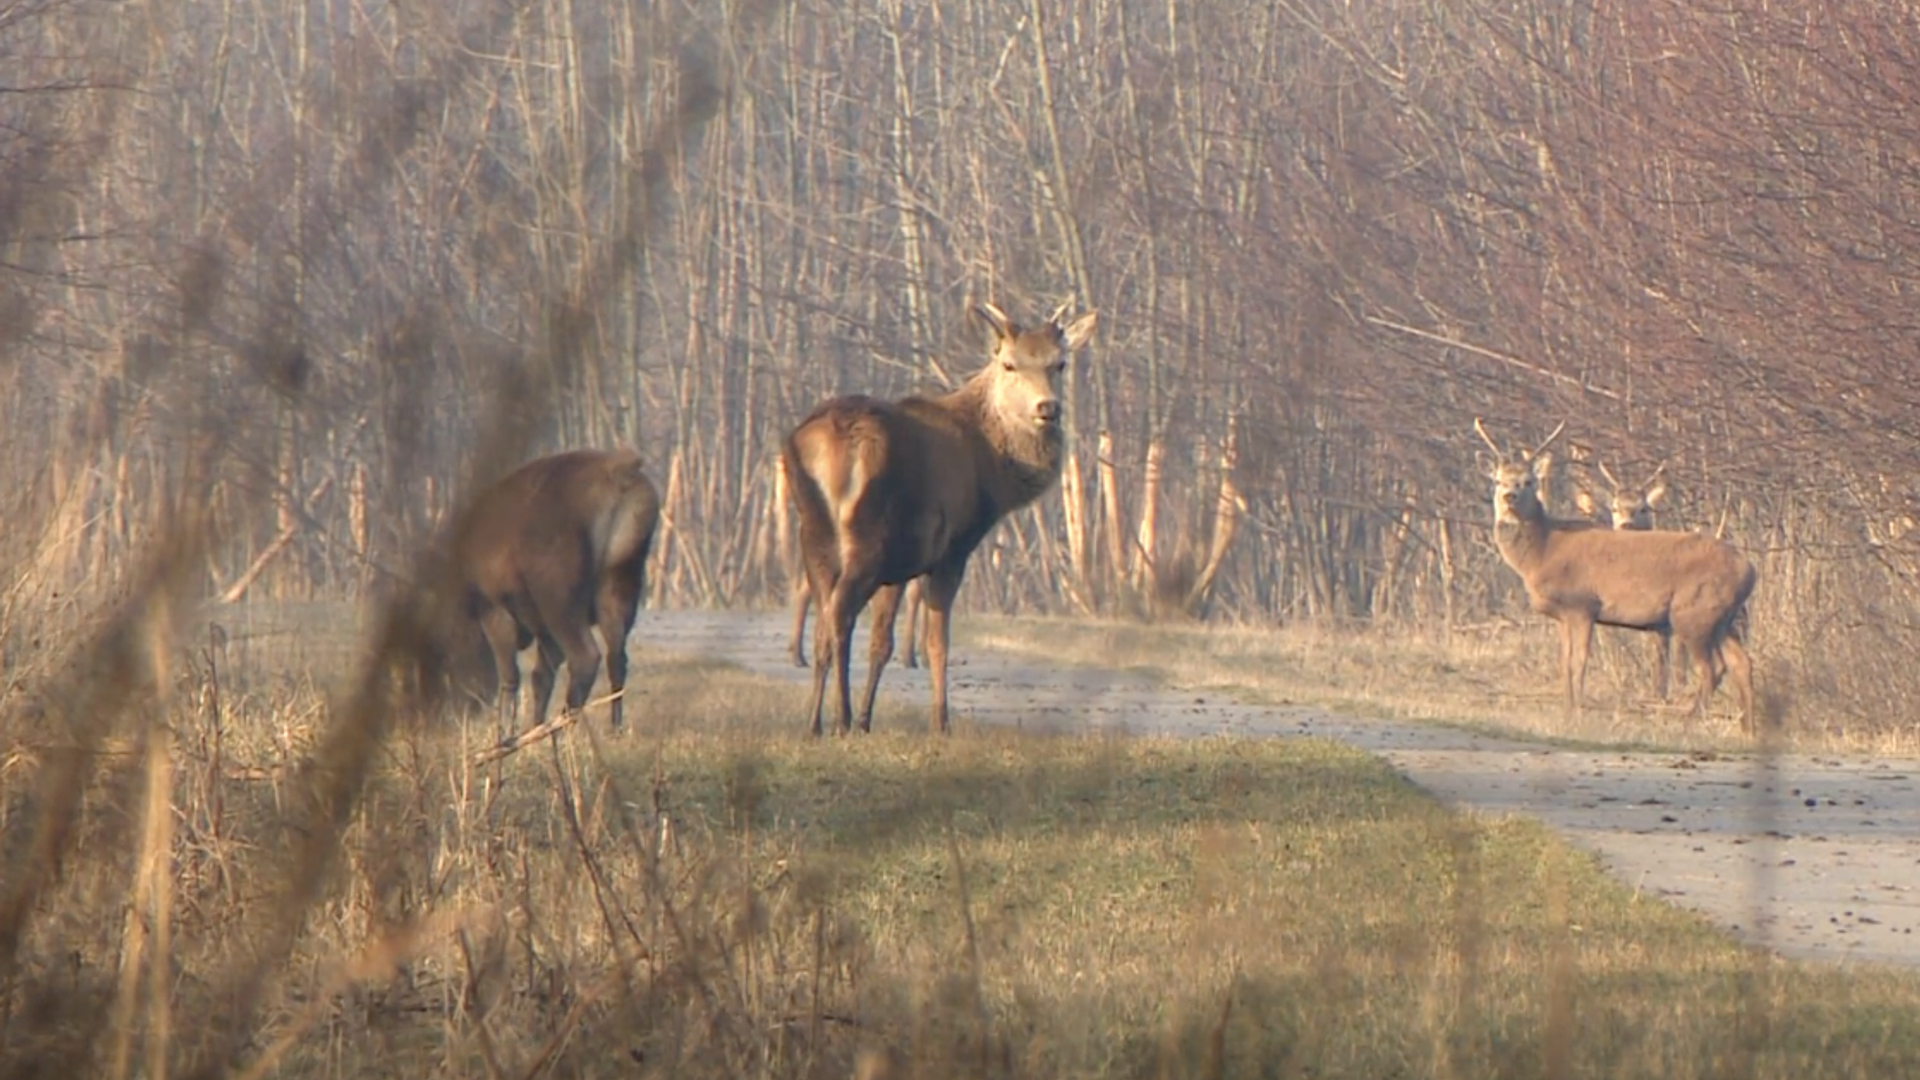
[(546, 670), (886, 605), (566, 616), (850, 594), (1739, 666), (937, 591), (822, 578), (583, 661), (614, 609), (1707, 666)]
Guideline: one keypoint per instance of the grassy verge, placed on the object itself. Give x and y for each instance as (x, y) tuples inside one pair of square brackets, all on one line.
[(716, 896), (1502, 680)]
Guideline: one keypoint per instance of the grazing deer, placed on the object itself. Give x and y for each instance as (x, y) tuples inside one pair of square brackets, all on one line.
[(803, 600), (1682, 583), (888, 492), (549, 552), (1631, 508)]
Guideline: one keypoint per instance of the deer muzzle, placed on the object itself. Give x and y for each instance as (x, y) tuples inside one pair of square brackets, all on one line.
[(1046, 413)]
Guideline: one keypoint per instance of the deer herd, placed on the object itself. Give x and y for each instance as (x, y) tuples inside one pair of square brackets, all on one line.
[(894, 496)]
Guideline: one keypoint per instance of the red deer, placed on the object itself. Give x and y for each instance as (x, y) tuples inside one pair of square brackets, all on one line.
[(1682, 583), (1627, 508), (889, 491), (1632, 508), (547, 553), (803, 600)]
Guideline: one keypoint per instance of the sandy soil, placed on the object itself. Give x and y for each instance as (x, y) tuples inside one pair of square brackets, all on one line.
[(1815, 857)]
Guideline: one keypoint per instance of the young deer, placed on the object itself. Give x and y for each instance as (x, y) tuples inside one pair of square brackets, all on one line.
[(1626, 508), (888, 492), (1689, 585), (546, 554), (1631, 508)]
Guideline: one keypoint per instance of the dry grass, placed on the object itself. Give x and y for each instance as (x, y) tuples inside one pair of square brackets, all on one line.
[(717, 896), (1499, 677)]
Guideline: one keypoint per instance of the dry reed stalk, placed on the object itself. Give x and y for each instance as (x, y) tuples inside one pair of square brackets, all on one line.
[(344, 759), (149, 914), (565, 719), (112, 668), (377, 959)]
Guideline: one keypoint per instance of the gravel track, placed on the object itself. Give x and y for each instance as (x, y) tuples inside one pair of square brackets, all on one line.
[(1816, 857)]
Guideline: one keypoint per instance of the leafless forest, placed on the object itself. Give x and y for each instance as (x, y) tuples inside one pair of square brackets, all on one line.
[(294, 276)]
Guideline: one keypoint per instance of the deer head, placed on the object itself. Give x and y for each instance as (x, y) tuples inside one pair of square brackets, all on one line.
[(1518, 479), (1026, 365), (1632, 508)]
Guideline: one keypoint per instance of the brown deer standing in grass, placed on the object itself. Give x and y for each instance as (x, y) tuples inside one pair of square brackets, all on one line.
[(547, 553), (888, 492), (1631, 508), (1683, 583), (803, 600)]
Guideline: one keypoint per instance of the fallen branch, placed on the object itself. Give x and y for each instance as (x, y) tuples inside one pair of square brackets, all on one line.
[(513, 744), (280, 543)]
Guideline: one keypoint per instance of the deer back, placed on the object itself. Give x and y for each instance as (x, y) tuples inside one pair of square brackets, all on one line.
[(904, 479), (925, 477), (1628, 576), (563, 518)]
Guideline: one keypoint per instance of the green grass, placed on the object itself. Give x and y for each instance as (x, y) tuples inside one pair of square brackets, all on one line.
[(1503, 682), (1077, 906), (716, 895)]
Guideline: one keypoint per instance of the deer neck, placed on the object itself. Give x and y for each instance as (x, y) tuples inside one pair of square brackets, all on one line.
[(1023, 459), (1523, 542)]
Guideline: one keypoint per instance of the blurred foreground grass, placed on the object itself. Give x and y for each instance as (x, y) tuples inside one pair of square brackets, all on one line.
[(716, 895)]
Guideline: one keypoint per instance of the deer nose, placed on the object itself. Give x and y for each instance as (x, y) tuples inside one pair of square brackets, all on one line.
[(1047, 412)]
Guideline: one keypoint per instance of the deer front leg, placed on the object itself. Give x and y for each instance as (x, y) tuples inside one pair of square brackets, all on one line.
[(916, 614), (936, 592), (1576, 643)]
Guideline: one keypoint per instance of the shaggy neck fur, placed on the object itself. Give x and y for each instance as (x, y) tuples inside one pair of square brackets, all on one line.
[(1028, 456), (1521, 541)]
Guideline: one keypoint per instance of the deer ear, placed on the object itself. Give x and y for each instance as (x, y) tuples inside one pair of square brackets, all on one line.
[(1543, 465), (1002, 326), (1584, 500), (1656, 494), (1081, 329)]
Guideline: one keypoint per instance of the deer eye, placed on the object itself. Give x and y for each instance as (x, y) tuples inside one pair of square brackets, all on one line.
[(1057, 367)]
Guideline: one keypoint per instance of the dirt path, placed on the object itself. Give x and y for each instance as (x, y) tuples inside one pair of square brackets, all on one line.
[(1817, 858)]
